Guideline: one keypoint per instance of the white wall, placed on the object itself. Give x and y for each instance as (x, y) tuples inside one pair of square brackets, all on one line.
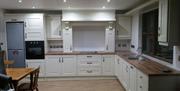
[(2, 31), (135, 39)]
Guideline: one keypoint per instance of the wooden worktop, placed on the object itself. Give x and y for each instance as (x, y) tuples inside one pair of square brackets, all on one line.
[(79, 53), (149, 67)]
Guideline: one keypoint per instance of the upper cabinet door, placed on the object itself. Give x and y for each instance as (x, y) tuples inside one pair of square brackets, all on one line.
[(110, 40), (163, 22), (34, 27)]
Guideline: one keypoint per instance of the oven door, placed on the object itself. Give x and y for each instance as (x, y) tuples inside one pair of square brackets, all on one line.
[(35, 50)]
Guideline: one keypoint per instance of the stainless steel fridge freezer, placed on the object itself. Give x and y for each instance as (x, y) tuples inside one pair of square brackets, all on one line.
[(16, 43)]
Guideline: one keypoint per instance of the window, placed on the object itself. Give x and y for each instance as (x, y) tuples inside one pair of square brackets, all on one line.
[(150, 44)]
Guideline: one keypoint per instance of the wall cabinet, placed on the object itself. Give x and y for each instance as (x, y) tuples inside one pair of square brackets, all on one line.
[(60, 66), (33, 25), (168, 32), (123, 27), (36, 64), (53, 25), (108, 65)]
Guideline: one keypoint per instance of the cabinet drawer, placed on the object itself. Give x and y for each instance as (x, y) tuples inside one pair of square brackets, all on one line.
[(142, 81), (89, 71), (89, 63), (82, 57)]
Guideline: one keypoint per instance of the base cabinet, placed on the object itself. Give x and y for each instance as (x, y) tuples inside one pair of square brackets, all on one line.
[(60, 66), (108, 65), (89, 65), (36, 64)]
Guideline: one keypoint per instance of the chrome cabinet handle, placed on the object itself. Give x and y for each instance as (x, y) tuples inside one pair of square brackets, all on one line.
[(62, 60), (118, 61), (59, 60), (89, 71), (89, 56), (89, 62), (107, 48)]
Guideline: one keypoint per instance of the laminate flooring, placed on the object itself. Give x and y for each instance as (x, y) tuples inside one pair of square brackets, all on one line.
[(80, 85)]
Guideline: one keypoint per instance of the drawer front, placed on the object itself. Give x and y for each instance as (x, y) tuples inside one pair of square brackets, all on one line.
[(89, 71), (88, 57), (93, 63)]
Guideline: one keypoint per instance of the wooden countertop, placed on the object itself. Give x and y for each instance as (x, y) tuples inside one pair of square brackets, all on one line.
[(149, 67), (78, 53)]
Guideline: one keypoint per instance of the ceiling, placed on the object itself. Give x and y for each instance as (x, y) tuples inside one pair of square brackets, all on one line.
[(70, 4)]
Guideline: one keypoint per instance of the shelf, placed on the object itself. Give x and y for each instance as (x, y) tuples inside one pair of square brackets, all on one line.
[(123, 37), (58, 38)]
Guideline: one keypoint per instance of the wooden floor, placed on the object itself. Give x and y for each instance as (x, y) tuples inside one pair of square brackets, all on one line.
[(80, 85)]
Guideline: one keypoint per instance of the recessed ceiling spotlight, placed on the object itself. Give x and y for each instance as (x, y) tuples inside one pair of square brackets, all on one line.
[(108, 1), (65, 0), (103, 7), (20, 1)]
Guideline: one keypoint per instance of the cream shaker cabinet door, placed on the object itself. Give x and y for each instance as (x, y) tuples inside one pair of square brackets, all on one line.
[(68, 65), (108, 65)]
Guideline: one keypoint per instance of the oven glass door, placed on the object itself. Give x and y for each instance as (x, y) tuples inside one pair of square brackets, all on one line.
[(35, 51)]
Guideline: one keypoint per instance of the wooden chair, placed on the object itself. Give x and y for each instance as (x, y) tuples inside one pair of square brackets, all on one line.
[(33, 85), (6, 62), (6, 83)]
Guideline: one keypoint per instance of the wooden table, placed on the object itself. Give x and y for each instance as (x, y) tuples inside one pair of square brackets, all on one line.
[(18, 74)]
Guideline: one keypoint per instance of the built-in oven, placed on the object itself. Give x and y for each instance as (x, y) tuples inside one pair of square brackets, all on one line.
[(35, 50)]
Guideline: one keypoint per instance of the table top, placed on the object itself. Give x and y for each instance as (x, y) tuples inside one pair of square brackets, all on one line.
[(18, 73)]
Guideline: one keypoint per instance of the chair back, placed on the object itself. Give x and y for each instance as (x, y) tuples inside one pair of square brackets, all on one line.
[(5, 82), (34, 78), (2, 55), (2, 66)]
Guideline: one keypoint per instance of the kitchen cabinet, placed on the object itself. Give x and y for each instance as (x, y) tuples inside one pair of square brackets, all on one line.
[(125, 76), (53, 25), (89, 65), (36, 64), (53, 66), (60, 66), (132, 78), (142, 82), (163, 21), (34, 27), (67, 38), (108, 65), (123, 27), (110, 38), (68, 65), (168, 32), (33, 24)]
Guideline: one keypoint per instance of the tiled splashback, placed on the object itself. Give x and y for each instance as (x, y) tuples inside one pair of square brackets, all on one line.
[(122, 45)]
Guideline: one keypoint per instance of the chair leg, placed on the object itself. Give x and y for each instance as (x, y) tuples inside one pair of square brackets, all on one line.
[(37, 89)]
